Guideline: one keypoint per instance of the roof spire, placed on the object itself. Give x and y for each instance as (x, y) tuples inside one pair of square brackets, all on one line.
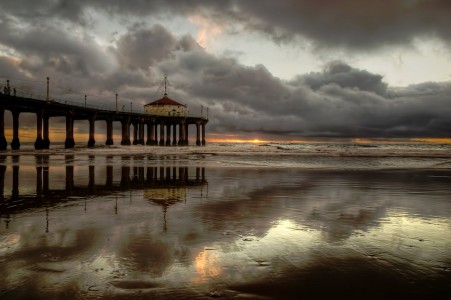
[(165, 85)]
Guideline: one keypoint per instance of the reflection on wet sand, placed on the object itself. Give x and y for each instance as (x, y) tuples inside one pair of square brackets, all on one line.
[(161, 185), (121, 229)]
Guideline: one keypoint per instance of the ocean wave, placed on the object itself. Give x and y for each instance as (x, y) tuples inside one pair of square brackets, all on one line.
[(301, 149), (276, 155)]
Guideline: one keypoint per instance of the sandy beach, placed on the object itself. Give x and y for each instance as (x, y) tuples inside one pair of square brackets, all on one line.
[(118, 226)]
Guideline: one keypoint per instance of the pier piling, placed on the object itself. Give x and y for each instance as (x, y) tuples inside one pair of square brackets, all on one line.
[(91, 141), (109, 132), (15, 144), (3, 143)]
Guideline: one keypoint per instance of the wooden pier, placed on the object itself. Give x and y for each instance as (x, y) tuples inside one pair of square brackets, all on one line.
[(161, 130)]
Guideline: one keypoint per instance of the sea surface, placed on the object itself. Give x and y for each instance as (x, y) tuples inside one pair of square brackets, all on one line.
[(228, 221)]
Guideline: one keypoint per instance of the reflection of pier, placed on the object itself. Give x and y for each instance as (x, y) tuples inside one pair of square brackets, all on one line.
[(152, 180)]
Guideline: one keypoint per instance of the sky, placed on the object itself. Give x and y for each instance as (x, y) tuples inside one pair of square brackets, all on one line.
[(268, 70)]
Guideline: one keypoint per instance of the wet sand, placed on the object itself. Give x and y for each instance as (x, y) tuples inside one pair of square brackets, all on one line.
[(124, 228)]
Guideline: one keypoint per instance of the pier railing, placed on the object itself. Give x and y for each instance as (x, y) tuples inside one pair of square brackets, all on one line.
[(102, 107)]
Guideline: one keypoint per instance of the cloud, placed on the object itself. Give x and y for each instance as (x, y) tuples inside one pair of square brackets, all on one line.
[(141, 48), (55, 51), (346, 77), (351, 24), (9, 66), (340, 101), (41, 10), (207, 30)]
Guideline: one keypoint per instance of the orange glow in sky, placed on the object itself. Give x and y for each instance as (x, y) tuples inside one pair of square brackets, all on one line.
[(400, 141), (433, 140), (28, 134), (58, 135), (236, 138)]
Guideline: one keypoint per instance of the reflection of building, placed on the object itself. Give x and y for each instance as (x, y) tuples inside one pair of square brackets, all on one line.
[(172, 185), (159, 195)]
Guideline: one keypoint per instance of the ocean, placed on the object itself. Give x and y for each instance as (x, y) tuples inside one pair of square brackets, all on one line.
[(335, 220)]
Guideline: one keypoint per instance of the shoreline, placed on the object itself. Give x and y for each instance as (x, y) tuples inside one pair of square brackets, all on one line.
[(218, 151), (298, 156)]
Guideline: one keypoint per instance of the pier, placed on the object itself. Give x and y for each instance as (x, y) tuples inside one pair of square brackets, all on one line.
[(148, 129)]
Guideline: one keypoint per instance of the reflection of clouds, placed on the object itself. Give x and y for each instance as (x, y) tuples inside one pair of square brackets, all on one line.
[(344, 203), (337, 203), (250, 200), (141, 253), (339, 211), (43, 260), (9, 243), (425, 240), (284, 240), (61, 245), (291, 260)]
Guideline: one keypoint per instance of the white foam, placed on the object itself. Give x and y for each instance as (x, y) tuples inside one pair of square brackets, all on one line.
[(282, 155)]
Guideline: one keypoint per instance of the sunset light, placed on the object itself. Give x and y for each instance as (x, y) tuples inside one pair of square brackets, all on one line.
[(225, 149)]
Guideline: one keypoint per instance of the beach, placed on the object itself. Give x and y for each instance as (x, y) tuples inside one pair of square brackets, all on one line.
[(225, 150), (227, 221)]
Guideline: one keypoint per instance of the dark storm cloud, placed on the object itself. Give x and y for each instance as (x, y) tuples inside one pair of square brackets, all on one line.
[(142, 48), (349, 23), (353, 24), (50, 46), (346, 77), (43, 9), (8, 66)]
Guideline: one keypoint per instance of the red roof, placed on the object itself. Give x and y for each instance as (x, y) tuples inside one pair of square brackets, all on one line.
[(165, 101)]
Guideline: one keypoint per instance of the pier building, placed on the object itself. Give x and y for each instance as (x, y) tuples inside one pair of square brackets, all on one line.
[(166, 106)]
